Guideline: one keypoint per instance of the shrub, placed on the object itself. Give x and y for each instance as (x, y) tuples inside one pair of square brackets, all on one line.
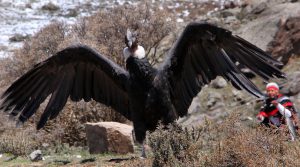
[(229, 143), (175, 145), (18, 142)]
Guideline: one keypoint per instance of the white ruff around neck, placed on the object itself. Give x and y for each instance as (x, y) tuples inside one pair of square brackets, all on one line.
[(139, 53)]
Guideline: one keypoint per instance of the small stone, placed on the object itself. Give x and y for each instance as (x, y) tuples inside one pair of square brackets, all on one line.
[(219, 83), (18, 38), (259, 8), (36, 155), (50, 7)]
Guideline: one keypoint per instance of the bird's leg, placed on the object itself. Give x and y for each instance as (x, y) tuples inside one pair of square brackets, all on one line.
[(170, 115), (143, 154), (140, 133)]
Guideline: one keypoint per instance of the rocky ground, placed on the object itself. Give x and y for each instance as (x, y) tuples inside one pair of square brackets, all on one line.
[(273, 25)]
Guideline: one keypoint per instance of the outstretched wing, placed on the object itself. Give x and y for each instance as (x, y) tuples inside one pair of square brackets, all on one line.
[(205, 51), (77, 72)]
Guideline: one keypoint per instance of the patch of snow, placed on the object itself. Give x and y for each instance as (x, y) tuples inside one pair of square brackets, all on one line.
[(179, 20), (27, 17), (185, 13)]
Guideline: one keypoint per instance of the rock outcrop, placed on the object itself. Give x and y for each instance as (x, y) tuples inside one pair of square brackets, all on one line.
[(292, 87), (273, 26), (261, 28), (287, 39)]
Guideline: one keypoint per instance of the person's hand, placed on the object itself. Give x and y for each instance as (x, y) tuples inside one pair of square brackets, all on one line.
[(260, 118), (274, 102)]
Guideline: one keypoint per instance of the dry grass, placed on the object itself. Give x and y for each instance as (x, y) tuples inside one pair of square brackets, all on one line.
[(18, 142), (229, 143)]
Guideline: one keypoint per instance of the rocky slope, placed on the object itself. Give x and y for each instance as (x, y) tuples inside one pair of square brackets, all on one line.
[(274, 27)]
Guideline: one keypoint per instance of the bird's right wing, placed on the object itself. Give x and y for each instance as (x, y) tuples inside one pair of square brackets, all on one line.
[(205, 51), (77, 72)]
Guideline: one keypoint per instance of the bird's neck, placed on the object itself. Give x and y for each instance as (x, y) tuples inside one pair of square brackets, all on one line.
[(139, 52)]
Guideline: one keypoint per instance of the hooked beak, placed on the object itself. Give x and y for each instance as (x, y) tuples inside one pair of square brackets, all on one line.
[(129, 44), (130, 39)]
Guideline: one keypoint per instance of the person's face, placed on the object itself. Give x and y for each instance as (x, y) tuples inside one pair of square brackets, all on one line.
[(272, 93)]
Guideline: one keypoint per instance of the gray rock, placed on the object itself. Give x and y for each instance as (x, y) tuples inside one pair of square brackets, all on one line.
[(261, 31), (287, 39), (230, 4), (19, 37), (292, 87), (259, 8), (219, 82), (36, 155), (226, 13), (238, 96), (50, 7), (195, 106), (214, 101)]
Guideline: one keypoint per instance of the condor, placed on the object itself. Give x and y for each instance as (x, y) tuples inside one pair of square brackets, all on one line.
[(143, 94)]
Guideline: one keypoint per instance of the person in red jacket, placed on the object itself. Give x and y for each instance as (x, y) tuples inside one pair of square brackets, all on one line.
[(276, 108)]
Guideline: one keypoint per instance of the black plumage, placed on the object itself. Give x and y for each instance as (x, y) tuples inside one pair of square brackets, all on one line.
[(142, 93)]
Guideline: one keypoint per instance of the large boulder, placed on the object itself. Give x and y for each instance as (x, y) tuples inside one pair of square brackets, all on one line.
[(292, 87), (113, 137), (263, 26), (287, 39)]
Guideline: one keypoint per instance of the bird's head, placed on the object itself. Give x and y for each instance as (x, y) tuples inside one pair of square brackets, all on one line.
[(131, 40), (133, 49)]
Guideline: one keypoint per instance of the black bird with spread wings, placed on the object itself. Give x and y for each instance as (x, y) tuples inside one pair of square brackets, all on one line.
[(141, 93)]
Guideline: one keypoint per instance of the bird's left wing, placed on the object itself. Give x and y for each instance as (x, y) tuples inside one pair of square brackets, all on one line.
[(78, 72), (204, 51)]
